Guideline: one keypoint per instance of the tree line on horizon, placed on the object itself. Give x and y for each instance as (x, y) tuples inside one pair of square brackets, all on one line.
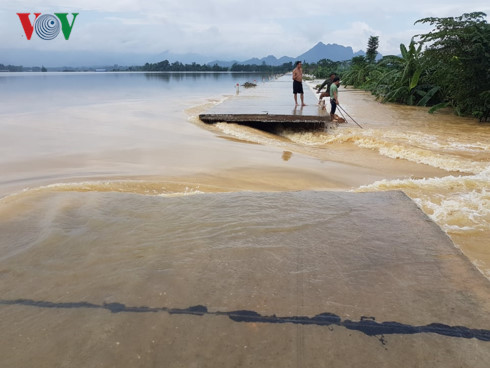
[(177, 66), (166, 66), (11, 68)]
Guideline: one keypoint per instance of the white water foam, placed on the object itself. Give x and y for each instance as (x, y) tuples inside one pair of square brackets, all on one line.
[(412, 146), (142, 187), (194, 111), (456, 203), (252, 135)]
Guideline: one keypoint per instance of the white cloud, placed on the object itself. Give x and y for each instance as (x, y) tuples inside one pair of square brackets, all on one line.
[(231, 29), (356, 35)]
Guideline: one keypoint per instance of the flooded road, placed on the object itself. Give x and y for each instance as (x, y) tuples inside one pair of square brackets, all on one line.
[(133, 235)]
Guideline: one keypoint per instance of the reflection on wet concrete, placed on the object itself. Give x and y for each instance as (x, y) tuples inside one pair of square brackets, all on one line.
[(367, 325)]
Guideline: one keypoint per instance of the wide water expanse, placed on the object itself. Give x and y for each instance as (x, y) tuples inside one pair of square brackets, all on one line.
[(88, 162)]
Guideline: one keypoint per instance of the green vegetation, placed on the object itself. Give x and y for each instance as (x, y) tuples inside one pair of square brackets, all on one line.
[(263, 68), (10, 68), (165, 66), (458, 60), (452, 70), (324, 68), (372, 49)]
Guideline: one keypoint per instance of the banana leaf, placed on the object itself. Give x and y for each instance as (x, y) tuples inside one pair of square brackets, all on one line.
[(438, 106)]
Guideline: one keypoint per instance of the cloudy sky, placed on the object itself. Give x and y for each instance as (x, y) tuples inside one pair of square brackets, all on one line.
[(218, 29)]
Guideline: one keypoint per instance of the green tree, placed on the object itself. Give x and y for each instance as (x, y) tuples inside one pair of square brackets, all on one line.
[(458, 57), (372, 49), (323, 68), (357, 73), (403, 77)]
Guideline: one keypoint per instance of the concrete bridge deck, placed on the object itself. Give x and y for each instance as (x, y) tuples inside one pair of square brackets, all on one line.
[(270, 104), (295, 279)]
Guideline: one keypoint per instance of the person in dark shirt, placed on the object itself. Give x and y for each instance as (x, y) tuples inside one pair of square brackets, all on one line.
[(328, 83)]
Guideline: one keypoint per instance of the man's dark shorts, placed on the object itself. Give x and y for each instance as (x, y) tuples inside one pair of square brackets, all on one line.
[(297, 87)]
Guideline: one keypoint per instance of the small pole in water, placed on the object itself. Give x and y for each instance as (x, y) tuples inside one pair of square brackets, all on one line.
[(343, 115), (237, 88), (350, 117)]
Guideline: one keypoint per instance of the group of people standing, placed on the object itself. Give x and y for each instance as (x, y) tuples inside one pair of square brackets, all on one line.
[(332, 85)]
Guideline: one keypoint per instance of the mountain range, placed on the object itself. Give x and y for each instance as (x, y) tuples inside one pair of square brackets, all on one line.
[(320, 51), (33, 58)]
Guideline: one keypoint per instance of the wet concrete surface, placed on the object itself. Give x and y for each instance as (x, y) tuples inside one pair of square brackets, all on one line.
[(270, 103), (298, 279)]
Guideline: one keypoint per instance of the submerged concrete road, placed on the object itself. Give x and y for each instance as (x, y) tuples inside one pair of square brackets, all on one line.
[(302, 279), (269, 103)]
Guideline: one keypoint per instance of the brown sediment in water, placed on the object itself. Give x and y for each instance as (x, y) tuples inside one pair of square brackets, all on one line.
[(129, 254)]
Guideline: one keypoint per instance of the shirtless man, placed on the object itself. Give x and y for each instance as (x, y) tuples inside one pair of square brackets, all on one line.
[(298, 83)]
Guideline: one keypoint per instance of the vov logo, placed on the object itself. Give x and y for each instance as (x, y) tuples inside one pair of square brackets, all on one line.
[(47, 26)]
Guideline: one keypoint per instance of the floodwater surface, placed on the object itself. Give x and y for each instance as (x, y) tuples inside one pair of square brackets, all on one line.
[(132, 234)]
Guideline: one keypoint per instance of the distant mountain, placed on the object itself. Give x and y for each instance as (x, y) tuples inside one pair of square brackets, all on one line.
[(183, 58), (333, 52), (49, 58), (224, 64), (362, 53), (320, 51), (269, 60)]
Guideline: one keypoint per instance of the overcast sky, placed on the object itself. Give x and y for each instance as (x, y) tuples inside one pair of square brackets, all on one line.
[(225, 29)]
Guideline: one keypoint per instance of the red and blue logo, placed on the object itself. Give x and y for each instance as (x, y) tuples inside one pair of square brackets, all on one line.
[(47, 26)]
